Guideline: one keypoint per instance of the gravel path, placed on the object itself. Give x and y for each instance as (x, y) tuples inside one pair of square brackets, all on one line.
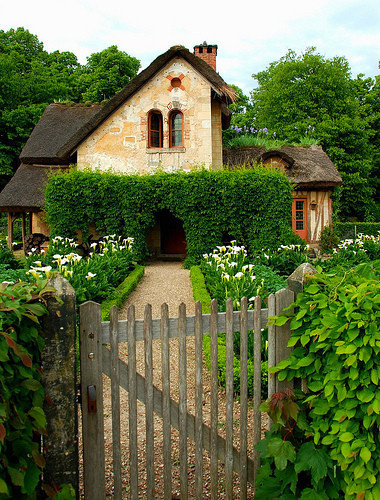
[(163, 282)]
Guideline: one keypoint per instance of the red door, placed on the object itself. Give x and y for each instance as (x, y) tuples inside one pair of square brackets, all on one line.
[(173, 238), (299, 219)]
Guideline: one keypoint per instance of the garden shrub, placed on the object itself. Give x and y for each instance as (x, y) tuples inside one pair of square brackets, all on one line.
[(6, 256), (346, 230), (328, 239), (349, 253), (22, 419), (122, 292), (285, 259), (292, 465), (228, 274), (253, 205), (335, 333)]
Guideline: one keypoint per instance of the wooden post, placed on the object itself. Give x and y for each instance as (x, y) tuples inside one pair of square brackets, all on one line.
[(90, 332), (59, 362), (10, 230), (23, 231)]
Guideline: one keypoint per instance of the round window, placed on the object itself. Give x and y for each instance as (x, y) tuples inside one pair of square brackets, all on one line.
[(176, 82)]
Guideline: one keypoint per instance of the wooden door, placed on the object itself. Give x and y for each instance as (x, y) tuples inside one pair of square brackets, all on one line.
[(299, 217)]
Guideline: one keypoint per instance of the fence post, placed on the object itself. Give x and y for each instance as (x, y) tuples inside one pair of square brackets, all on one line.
[(59, 365), (297, 279)]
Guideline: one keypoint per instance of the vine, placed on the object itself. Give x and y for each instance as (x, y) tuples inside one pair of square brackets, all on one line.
[(251, 205), (335, 332)]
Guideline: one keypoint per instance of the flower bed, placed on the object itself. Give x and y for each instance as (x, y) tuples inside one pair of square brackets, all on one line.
[(94, 276)]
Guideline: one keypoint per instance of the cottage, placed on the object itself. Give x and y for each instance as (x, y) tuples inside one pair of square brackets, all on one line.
[(313, 176), (170, 116)]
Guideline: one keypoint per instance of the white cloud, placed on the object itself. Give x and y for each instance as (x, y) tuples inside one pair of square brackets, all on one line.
[(249, 34)]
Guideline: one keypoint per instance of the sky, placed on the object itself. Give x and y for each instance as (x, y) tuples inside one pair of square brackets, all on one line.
[(249, 34)]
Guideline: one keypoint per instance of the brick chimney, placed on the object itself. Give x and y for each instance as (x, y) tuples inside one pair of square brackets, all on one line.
[(207, 53)]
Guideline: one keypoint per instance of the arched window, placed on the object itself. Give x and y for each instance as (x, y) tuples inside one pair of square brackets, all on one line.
[(176, 129), (155, 129)]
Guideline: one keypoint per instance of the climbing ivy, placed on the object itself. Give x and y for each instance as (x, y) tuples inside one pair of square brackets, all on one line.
[(336, 335), (22, 419), (252, 205)]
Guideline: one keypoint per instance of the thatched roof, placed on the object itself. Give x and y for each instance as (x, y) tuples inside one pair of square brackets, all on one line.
[(56, 134), (25, 191), (308, 167), (62, 127)]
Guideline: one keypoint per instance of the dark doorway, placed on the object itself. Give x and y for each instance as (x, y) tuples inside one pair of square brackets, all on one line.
[(173, 238)]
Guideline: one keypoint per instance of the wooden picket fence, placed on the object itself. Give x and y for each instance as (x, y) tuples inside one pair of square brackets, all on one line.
[(97, 359)]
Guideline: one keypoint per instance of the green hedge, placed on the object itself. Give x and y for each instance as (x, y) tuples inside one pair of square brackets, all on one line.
[(253, 206), (122, 292), (199, 288), (347, 230)]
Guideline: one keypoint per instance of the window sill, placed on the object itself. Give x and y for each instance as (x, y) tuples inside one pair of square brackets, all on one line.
[(165, 150)]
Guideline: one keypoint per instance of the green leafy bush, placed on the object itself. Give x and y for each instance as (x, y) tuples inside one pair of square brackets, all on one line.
[(229, 274), (349, 253), (347, 230), (253, 205), (7, 257), (328, 239), (335, 334), (22, 419), (122, 292), (285, 259), (292, 465)]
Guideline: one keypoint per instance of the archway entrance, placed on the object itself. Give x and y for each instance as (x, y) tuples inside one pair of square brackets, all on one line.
[(173, 238), (167, 237)]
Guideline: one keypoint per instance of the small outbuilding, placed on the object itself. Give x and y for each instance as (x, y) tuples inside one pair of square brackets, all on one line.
[(311, 172)]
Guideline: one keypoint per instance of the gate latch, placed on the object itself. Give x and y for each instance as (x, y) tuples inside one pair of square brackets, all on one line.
[(91, 398)]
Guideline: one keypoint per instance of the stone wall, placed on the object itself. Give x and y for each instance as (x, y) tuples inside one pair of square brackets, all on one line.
[(121, 142)]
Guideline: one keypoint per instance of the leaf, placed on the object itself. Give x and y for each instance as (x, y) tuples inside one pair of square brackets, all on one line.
[(346, 437), (346, 449), (365, 395), (282, 451), (365, 454), (17, 477), (32, 478), (3, 433), (31, 384), (38, 459), (3, 487), (315, 386), (310, 457), (281, 320), (26, 360)]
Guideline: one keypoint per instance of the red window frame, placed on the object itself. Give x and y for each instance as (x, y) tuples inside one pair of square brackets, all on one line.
[(299, 217), (156, 130), (172, 130)]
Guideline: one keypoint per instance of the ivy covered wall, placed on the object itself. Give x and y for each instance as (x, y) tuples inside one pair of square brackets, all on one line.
[(253, 206)]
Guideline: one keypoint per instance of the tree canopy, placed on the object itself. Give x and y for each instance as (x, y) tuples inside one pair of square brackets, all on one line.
[(308, 93), (31, 78)]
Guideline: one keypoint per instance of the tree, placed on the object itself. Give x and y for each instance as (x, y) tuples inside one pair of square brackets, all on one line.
[(242, 114), (298, 93), (31, 78), (105, 73)]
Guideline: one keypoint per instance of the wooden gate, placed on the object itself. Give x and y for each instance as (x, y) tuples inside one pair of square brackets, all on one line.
[(99, 346)]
